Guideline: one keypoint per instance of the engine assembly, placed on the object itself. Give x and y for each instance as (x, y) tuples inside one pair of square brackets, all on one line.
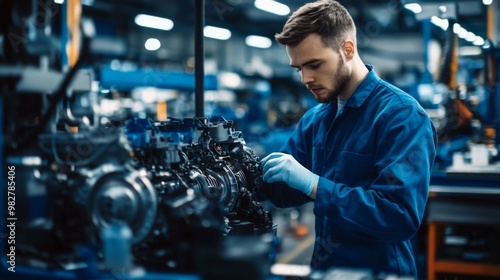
[(206, 155), (150, 193)]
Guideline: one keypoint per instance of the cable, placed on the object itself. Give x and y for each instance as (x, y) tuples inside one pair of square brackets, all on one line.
[(58, 96)]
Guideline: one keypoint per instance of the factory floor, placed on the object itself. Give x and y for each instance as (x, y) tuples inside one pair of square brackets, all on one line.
[(296, 233)]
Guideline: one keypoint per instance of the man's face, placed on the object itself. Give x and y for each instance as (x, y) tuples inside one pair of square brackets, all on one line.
[(322, 69)]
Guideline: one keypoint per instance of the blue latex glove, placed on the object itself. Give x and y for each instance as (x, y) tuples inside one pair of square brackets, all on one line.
[(283, 167)]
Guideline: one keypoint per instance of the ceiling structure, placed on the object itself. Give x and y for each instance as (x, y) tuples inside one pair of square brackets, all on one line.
[(385, 28)]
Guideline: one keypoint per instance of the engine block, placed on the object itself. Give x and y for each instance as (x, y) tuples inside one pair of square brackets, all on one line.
[(150, 193)]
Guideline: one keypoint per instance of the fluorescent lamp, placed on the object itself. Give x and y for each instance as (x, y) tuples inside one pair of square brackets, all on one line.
[(152, 44), (258, 41), (487, 2), (479, 41), (443, 23), (273, 7), (456, 28), (154, 22), (216, 32), (414, 7), (469, 51), (58, 1), (487, 44), (470, 37), (463, 33)]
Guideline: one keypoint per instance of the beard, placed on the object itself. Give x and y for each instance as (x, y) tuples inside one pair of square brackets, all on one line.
[(338, 85)]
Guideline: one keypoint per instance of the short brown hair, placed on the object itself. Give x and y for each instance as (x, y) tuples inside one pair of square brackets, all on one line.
[(327, 18)]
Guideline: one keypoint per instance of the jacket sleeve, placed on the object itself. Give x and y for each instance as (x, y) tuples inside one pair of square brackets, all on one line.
[(391, 207), (279, 193)]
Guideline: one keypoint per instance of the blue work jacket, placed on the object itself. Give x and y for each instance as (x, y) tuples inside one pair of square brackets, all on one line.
[(374, 161)]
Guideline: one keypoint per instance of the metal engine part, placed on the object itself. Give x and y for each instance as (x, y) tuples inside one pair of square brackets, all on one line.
[(177, 186)]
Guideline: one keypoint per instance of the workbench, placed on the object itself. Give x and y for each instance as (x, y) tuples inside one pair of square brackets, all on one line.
[(469, 201)]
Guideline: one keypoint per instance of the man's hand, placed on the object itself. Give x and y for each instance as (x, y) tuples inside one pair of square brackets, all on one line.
[(283, 167)]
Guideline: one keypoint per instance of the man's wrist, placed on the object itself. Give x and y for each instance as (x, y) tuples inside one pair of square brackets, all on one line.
[(311, 187), (314, 190)]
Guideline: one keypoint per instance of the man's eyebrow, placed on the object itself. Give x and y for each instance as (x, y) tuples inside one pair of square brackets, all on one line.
[(306, 63)]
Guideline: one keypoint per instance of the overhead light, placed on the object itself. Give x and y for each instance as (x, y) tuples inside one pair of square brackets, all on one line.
[(273, 7), (154, 22), (463, 33), (456, 28), (58, 1), (479, 41), (487, 2), (152, 44), (216, 32), (443, 23), (469, 51), (470, 37), (414, 7), (487, 44), (258, 41)]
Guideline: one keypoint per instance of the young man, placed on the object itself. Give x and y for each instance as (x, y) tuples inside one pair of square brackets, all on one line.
[(363, 155)]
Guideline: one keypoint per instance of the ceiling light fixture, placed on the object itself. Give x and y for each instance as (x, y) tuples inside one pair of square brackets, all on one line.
[(273, 7), (463, 33), (414, 7), (258, 41), (487, 44), (154, 22), (469, 51), (443, 23), (216, 32), (152, 44), (471, 37), (487, 2), (479, 41)]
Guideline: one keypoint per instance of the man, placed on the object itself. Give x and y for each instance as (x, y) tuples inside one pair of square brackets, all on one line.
[(363, 155)]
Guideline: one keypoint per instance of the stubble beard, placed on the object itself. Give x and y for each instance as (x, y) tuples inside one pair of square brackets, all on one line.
[(339, 83)]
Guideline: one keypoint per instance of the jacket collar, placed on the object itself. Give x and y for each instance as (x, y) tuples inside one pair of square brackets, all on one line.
[(364, 89), (359, 96)]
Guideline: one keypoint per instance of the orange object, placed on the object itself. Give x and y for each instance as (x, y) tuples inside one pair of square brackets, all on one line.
[(301, 230), (74, 13), (161, 111)]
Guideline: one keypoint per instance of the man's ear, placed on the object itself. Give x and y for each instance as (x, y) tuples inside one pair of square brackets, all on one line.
[(349, 49)]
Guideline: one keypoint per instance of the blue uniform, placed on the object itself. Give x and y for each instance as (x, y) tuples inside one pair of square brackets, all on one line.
[(374, 161)]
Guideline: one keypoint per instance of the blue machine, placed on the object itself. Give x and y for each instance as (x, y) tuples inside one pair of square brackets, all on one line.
[(127, 80)]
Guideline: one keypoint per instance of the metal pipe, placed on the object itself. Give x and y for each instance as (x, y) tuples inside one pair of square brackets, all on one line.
[(199, 58), (426, 36)]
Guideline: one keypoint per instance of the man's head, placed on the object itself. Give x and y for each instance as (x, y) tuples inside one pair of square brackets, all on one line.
[(320, 40), (327, 18)]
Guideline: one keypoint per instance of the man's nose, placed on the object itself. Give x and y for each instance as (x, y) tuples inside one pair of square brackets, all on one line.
[(306, 77)]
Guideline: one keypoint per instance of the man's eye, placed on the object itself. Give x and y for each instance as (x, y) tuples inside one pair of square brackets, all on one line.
[(313, 67)]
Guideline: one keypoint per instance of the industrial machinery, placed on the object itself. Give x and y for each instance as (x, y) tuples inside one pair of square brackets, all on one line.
[(89, 196), (95, 197), (153, 195)]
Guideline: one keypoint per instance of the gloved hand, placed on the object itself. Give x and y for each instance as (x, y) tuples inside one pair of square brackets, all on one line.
[(283, 167)]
